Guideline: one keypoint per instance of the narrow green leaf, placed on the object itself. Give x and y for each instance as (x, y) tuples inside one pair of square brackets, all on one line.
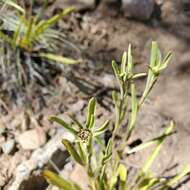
[(59, 181), (154, 50), (92, 122), (167, 58), (124, 62), (155, 152), (56, 180), (102, 129), (16, 35), (129, 61), (148, 183), (139, 75), (70, 148), (106, 158), (134, 109), (82, 152), (122, 172), (45, 24), (29, 31), (58, 58), (115, 97), (116, 69), (109, 147), (100, 142), (179, 176), (91, 111), (63, 123), (75, 121), (15, 5), (147, 144)]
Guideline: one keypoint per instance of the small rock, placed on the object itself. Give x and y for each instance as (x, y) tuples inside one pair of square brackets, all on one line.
[(109, 7), (138, 9), (79, 176), (32, 139), (88, 2), (8, 146), (78, 4)]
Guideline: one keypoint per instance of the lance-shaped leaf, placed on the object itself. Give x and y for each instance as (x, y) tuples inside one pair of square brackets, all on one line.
[(59, 181), (63, 123), (72, 151), (91, 112), (102, 129)]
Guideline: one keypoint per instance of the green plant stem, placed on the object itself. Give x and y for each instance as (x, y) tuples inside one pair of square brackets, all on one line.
[(140, 104)]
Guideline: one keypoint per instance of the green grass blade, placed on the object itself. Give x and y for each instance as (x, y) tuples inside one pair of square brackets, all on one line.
[(58, 58), (17, 32), (5, 38), (45, 24), (28, 36), (63, 123), (14, 5)]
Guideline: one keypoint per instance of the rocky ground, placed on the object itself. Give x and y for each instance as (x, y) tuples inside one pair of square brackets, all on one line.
[(28, 141)]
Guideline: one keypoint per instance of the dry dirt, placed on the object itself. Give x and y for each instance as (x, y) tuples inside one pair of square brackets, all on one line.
[(102, 37)]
